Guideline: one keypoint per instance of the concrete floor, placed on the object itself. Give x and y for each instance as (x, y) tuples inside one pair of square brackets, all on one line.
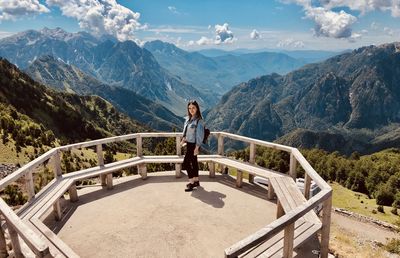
[(156, 218)]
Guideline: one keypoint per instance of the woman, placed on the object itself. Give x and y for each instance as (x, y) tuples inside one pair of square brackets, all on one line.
[(193, 134)]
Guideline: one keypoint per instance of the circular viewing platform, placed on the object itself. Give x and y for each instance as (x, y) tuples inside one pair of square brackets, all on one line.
[(149, 214)]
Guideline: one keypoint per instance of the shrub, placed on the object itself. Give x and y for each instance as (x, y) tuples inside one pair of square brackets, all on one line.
[(374, 211), (396, 202), (384, 196), (394, 211), (381, 209), (393, 246), (15, 196)]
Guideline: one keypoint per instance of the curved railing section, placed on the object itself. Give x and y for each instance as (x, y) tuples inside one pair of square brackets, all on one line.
[(33, 239)]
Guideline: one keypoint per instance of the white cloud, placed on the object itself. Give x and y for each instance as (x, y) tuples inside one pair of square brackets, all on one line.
[(173, 9), (365, 6), (354, 37), (204, 41), (255, 35), (101, 16), (168, 29), (223, 34), (331, 24), (374, 25), (290, 43), (388, 31), (13, 9), (4, 34)]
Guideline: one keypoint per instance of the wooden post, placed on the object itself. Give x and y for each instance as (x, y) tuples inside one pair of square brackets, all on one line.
[(178, 166), (279, 210), (326, 225), (239, 178), (220, 151), (73, 193), (3, 244), (109, 181), (14, 240), (307, 185), (288, 241), (211, 167), (100, 161), (220, 144), (292, 170), (57, 164), (143, 171), (139, 151), (270, 191), (57, 210), (178, 170), (252, 160), (30, 186)]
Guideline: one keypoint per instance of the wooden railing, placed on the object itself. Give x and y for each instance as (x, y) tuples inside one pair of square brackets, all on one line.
[(17, 228)]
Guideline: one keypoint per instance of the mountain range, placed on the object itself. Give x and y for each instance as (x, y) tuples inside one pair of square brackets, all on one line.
[(354, 95), (69, 117), (122, 64), (63, 77), (310, 56), (349, 102), (219, 74)]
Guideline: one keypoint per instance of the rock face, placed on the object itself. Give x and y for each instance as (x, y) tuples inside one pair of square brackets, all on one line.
[(123, 64), (69, 78), (6, 169), (356, 95)]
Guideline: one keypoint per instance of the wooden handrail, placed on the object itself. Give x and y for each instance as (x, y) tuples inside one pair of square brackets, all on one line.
[(31, 239), (310, 170), (255, 141), (24, 169), (296, 158), (276, 226)]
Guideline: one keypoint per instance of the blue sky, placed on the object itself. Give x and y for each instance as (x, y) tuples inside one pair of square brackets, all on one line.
[(224, 24)]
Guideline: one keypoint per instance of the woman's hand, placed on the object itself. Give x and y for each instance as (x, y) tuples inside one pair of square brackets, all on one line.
[(183, 141), (196, 150)]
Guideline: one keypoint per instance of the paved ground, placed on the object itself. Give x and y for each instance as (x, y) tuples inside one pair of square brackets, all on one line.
[(156, 218)]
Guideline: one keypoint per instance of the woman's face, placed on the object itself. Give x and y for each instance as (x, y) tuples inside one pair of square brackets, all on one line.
[(192, 109)]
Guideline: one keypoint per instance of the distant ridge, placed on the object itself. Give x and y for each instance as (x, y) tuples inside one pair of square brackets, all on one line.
[(219, 73), (355, 95), (69, 78)]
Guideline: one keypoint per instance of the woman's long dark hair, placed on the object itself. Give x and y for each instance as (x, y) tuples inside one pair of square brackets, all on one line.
[(198, 113)]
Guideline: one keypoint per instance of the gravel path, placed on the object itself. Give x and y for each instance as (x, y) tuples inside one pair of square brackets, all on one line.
[(365, 231)]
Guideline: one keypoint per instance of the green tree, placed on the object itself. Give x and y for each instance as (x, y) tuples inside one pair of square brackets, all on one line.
[(383, 195)]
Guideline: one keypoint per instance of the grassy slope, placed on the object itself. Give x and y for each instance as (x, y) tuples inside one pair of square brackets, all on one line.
[(349, 200), (8, 155)]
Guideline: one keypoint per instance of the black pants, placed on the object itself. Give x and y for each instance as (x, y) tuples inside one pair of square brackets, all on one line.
[(190, 161)]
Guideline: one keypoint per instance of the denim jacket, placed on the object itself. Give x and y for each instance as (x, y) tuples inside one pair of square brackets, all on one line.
[(193, 130)]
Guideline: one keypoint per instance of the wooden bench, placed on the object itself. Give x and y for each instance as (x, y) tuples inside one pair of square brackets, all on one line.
[(273, 247), (43, 201), (251, 169), (288, 198)]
